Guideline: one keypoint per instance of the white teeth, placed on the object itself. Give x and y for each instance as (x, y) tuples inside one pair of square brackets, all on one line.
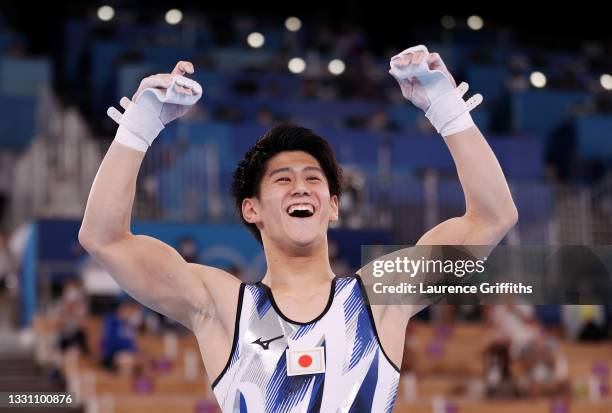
[(301, 207)]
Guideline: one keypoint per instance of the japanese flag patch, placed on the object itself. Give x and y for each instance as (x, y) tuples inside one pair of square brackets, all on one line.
[(305, 361)]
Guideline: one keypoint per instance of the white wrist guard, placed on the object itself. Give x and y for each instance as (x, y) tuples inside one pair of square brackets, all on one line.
[(450, 113), (447, 112), (145, 118), (138, 126)]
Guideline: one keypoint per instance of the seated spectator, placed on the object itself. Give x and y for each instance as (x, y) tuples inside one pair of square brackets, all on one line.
[(515, 324), (353, 198), (592, 326), (119, 349), (380, 122), (70, 313), (584, 322), (8, 283), (543, 369), (265, 117), (499, 382), (188, 249)]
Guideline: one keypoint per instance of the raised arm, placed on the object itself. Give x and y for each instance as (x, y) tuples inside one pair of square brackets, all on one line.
[(149, 270), (490, 211)]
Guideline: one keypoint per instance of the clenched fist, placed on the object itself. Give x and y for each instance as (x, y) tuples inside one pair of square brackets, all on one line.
[(426, 82), (404, 68), (159, 100), (174, 91)]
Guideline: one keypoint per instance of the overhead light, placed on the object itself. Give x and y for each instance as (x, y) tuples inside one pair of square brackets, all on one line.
[(297, 65), (293, 24), (106, 13), (606, 81), (537, 79), (256, 40), (336, 67), (475, 22), (174, 16)]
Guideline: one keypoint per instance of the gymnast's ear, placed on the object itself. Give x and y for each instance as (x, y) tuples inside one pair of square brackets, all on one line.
[(334, 204), (251, 211)]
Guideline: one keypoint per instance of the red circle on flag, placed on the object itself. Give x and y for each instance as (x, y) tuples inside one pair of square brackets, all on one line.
[(305, 360)]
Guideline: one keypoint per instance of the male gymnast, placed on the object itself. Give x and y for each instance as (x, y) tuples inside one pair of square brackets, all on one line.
[(302, 339)]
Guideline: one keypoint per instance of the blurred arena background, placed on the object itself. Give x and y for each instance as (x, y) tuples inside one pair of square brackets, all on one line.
[(547, 113)]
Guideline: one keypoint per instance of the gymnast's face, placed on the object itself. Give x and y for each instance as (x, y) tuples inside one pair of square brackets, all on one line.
[(294, 206)]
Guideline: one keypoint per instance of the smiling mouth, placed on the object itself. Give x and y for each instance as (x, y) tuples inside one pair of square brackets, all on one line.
[(301, 211)]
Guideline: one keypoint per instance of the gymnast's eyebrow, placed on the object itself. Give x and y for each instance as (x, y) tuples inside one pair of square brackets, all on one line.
[(288, 169)]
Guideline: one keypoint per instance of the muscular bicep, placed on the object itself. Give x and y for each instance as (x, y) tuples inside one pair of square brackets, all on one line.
[(475, 240), (464, 231), (157, 276)]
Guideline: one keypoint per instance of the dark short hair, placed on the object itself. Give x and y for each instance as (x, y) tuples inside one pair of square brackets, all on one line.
[(283, 137)]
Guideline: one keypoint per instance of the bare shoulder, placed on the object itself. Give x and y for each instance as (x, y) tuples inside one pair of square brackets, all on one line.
[(221, 290)]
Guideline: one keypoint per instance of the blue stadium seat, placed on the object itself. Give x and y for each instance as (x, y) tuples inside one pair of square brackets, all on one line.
[(17, 110), (235, 59), (130, 76), (24, 76), (404, 114), (417, 151), (542, 110), (487, 80), (165, 57), (354, 147), (594, 135), (104, 58), (521, 157)]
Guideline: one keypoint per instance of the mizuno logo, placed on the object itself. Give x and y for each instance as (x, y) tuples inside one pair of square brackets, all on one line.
[(266, 343)]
